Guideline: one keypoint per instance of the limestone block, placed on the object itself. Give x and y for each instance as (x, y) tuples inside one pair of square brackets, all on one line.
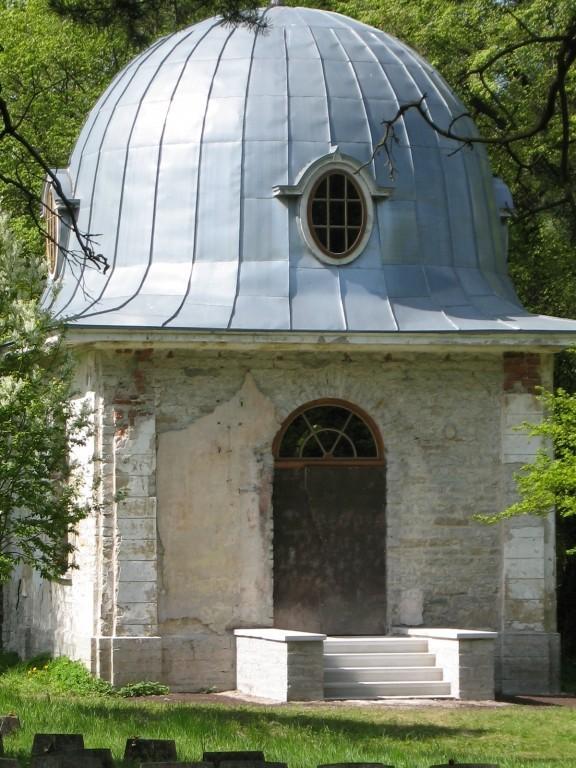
[(524, 568), (135, 659), (517, 444), (136, 507), (136, 630), (199, 663), (136, 592), (137, 528), (262, 668), (137, 570), (137, 549), (136, 613), (277, 664), (530, 662), (525, 589), (140, 464)]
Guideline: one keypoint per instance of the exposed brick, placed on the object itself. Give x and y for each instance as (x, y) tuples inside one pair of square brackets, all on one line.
[(521, 372)]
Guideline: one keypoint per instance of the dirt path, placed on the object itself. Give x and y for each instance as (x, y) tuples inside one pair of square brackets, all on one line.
[(233, 697)]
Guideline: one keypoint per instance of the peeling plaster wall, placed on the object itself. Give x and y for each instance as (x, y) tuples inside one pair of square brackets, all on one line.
[(214, 529), (181, 550)]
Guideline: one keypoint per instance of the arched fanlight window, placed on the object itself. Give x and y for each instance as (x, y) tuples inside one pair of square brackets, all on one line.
[(328, 432)]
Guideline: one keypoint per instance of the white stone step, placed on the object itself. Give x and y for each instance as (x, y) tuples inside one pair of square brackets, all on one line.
[(379, 660), (371, 690), (381, 674), (375, 645)]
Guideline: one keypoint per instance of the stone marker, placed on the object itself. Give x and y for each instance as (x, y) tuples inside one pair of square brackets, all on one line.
[(9, 724), (249, 764), (233, 757), (150, 750), (454, 764), (57, 742), (66, 760), (355, 765), (172, 764)]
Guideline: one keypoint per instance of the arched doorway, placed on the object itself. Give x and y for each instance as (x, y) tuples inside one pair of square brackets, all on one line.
[(329, 506)]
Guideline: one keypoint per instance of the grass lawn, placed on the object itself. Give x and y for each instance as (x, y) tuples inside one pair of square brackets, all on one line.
[(307, 735), (60, 696)]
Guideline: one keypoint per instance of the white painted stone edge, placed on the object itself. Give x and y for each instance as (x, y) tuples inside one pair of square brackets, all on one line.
[(280, 635), (452, 634)]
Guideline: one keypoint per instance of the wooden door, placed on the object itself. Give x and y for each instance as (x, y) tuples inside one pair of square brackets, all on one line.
[(329, 529)]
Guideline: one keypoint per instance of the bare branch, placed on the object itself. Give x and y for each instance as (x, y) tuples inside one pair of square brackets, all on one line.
[(96, 259)]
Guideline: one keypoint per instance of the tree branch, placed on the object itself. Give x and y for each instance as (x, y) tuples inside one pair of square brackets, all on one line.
[(84, 240)]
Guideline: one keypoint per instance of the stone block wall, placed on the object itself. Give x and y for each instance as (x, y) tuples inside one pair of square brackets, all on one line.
[(529, 646), (179, 553), (467, 659), (280, 665)]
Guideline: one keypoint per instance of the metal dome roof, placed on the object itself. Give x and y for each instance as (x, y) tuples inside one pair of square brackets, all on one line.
[(188, 172)]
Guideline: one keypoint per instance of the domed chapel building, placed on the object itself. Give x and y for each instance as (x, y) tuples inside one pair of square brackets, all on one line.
[(305, 367)]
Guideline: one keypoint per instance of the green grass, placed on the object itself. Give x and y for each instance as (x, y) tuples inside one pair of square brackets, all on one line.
[(301, 735)]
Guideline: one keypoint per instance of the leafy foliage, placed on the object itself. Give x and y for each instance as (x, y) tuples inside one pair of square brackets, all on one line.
[(144, 20), (144, 688), (39, 505), (512, 64), (550, 481), (62, 676)]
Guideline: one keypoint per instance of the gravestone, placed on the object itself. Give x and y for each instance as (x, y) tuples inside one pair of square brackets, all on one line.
[(355, 765), (9, 724), (452, 764), (67, 760), (150, 750), (175, 764), (45, 743), (233, 757)]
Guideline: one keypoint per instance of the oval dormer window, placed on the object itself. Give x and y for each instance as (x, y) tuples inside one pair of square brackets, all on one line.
[(336, 214)]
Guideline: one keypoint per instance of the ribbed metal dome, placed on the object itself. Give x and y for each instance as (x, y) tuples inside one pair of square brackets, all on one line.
[(189, 170)]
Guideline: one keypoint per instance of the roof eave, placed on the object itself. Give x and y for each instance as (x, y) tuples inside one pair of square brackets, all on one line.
[(421, 341)]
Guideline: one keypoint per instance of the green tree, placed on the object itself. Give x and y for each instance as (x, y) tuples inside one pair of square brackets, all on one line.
[(512, 62), (40, 496)]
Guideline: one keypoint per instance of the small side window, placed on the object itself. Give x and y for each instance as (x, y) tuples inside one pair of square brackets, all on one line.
[(52, 231)]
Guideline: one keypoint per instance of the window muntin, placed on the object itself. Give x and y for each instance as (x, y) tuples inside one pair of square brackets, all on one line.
[(328, 432), (336, 214)]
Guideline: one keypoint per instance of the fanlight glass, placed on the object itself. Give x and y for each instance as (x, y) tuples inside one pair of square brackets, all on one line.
[(329, 433)]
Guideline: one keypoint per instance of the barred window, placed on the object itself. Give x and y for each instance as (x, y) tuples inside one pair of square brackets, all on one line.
[(336, 214)]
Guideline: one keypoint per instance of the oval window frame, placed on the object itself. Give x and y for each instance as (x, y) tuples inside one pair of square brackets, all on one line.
[(352, 173)]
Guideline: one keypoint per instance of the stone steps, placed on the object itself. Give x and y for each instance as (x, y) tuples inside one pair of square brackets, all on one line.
[(373, 667), (381, 674)]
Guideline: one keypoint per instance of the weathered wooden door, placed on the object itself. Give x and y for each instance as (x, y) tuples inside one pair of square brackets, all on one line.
[(329, 523)]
